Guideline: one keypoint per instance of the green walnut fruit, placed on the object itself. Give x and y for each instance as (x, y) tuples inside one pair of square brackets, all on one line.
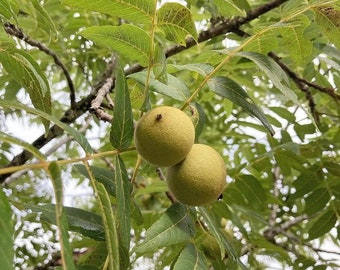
[(200, 178), (164, 136)]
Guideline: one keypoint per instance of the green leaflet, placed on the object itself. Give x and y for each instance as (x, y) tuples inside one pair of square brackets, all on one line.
[(139, 11), (6, 9), (299, 47), (104, 176), (71, 131), (127, 40), (190, 258), (229, 8), (10, 139), (322, 224), (175, 20), (173, 227), (229, 89), (328, 18), (122, 124), (109, 221), (26, 71), (87, 223), (61, 219), (6, 233), (123, 195)]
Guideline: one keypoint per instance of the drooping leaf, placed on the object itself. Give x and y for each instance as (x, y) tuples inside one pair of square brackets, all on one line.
[(87, 223), (175, 88), (104, 176), (175, 20), (190, 258), (71, 131), (6, 232), (322, 225), (126, 40), (12, 140), (109, 221), (213, 226), (26, 71), (43, 18), (173, 227), (200, 68), (273, 71), (123, 195), (139, 11), (61, 219), (122, 124), (299, 47), (229, 89), (328, 18)]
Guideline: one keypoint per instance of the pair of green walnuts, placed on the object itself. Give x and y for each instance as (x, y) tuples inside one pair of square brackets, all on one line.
[(196, 173)]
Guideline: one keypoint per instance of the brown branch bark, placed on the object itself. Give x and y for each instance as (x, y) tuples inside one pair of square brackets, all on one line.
[(83, 105)]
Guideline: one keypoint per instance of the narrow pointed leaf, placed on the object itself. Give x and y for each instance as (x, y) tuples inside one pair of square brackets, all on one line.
[(190, 258), (139, 11), (75, 134), (173, 227), (229, 89), (122, 123), (12, 140), (44, 19), (65, 247), (26, 71), (104, 176), (127, 40), (123, 195), (109, 221), (175, 20), (6, 233), (87, 223), (273, 71)]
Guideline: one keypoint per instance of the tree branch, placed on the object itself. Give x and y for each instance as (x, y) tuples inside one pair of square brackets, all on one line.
[(13, 30), (83, 105)]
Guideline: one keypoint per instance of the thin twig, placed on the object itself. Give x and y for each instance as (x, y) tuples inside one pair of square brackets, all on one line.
[(13, 30)]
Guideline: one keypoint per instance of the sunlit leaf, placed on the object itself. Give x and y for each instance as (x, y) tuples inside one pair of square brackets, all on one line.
[(175, 20), (173, 227), (44, 19), (127, 40), (6, 9), (328, 18), (228, 8), (139, 11)]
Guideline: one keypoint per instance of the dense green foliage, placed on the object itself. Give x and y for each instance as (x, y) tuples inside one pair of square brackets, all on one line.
[(259, 80)]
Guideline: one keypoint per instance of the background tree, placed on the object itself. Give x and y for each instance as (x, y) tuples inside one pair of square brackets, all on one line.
[(259, 80)]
